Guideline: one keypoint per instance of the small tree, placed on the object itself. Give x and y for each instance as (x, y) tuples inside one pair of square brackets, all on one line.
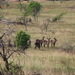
[(34, 8), (45, 24), (25, 15), (21, 40), (24, 18), (6, 52)]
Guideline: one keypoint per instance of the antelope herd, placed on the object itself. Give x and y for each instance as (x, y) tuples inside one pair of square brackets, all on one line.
[(40, 42)]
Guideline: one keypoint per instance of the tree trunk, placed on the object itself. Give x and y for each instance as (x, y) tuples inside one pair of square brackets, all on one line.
[(35, 17), (20, 7), (25, 22), (6, 62), (5, 59)]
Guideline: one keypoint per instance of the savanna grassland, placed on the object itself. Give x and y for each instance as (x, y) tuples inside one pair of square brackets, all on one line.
[(46, 61)]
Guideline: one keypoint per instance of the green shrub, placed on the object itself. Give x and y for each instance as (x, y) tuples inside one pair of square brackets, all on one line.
[(7, 4), (14, 70), (58, 17), (21, 40)]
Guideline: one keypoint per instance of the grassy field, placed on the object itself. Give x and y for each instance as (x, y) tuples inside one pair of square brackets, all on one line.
[(46, 61)]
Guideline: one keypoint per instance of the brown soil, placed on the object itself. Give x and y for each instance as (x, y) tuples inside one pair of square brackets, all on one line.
[(48, 7)]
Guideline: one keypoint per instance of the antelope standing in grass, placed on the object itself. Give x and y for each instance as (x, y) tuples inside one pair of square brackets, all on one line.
[(41, 41), (53, 42), (47, 42), (37, 44)]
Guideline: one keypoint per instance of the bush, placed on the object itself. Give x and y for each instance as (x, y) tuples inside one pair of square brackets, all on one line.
[(58, 17), (67, 47), (7, 4), (14, 70), (21, 40)]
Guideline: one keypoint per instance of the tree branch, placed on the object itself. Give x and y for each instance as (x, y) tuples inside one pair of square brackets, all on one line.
[(12, 53), (0, 53)]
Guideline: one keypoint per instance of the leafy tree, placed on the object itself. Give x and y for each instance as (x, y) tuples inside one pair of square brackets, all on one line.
[(34, 8), (6, 52), (24, 6), (21, 40), (24, 18), (25, 15)]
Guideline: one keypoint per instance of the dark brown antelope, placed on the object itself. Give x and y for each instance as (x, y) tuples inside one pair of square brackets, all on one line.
[(41, 41), (37, 44), (47, 42), (53, 42), (0, 7)]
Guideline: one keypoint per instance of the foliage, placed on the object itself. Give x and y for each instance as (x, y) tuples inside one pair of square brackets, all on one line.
[(24, 6), (14, 70), (21, 40), (1, 17), (23, 18), (19, 6), (34, 8), (25, 13), (7, 4), (58, 17)]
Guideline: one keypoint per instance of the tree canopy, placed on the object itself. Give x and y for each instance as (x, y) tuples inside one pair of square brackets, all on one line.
[(34, 8)]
